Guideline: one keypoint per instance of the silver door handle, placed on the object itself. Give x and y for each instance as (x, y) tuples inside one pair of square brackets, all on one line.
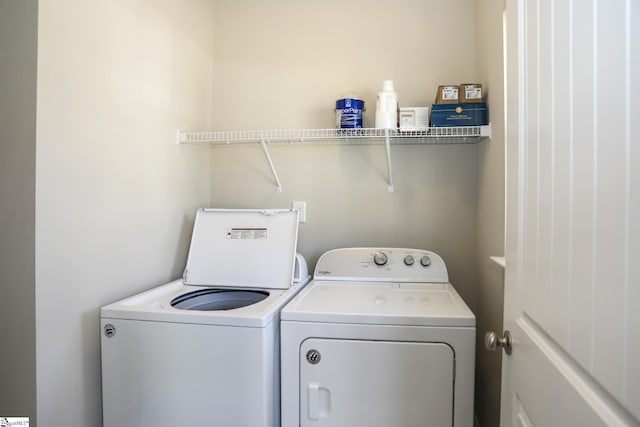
[(492, 342)]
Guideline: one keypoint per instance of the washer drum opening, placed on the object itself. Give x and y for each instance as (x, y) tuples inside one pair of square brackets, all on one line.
[(217, 299)]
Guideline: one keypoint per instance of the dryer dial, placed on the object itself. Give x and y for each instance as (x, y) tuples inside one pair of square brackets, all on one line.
[(380, 258), (425, 261), (408, 260)]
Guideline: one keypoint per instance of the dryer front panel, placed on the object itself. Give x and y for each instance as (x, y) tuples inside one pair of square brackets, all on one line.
[(346, 383)]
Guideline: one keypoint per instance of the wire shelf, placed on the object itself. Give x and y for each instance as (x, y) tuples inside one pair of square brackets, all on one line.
[(433, 135)]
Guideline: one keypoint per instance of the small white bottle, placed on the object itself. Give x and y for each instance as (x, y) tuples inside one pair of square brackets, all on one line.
[(387, 107)]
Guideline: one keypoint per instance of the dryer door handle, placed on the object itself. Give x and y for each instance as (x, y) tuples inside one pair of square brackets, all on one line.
[(319, 401)]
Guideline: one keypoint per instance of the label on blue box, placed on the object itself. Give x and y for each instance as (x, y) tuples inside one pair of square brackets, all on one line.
[(472, 114)]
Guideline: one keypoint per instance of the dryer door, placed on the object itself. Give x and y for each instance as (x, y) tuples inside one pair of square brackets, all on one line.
[(346, 383)]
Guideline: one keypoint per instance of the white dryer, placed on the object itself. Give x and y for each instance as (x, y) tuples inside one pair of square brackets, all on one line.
[(378, 338), (204, 350)]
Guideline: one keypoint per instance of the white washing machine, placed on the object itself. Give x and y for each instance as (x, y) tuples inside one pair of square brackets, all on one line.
[(204, 350), (379, 338)]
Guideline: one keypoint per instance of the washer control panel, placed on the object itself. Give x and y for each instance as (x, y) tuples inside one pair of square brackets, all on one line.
[(382, 264)]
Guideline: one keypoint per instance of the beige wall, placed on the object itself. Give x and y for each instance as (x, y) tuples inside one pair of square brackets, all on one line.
[(283, 64), (18, 32), (491, 171), (115, 194)]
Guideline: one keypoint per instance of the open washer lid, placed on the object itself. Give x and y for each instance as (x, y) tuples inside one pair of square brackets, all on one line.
[(242, 248)]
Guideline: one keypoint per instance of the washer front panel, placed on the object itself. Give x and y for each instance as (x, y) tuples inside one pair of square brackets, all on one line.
[(173, 374)]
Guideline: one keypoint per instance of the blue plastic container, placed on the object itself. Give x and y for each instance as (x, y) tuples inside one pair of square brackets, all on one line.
[(349, 112), (472, 114)]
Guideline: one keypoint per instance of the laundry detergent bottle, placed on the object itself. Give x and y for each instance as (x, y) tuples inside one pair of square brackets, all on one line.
[(387, 107)]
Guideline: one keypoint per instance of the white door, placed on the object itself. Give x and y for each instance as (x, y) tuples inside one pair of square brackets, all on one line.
[(572, 280)]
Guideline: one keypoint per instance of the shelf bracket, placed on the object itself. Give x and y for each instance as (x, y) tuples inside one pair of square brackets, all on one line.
[(273, 169), (387, 143)]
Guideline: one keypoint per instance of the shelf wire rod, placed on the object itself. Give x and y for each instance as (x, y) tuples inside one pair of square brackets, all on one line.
[(387, 144), (273, 169)]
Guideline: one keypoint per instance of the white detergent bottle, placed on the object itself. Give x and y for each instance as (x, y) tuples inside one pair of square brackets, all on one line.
[(387, 107)]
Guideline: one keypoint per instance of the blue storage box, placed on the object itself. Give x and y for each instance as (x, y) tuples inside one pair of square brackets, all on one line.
[(471, 114)]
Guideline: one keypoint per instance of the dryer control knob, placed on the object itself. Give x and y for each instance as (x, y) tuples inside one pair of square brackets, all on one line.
[(425, 261), (380, 258), (408, 260)]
